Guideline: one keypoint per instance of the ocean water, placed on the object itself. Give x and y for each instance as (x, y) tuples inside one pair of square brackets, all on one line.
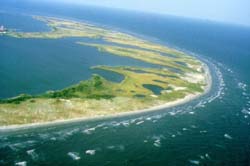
[(212, 130)]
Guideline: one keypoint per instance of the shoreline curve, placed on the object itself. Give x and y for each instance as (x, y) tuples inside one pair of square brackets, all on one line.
[(186, 99)]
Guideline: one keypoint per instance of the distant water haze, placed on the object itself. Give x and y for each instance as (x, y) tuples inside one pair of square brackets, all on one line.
[(231, 11)]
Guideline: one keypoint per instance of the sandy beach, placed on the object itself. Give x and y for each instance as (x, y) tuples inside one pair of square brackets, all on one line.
[(186, 99)]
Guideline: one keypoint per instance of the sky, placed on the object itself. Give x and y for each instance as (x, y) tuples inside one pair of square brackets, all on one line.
[(231, 11)]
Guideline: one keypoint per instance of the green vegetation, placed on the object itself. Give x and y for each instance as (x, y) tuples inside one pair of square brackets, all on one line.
[(95, 88), (17, 100), (175, 76)]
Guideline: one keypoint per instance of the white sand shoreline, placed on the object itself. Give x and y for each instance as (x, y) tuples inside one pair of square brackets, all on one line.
[(178, 102)]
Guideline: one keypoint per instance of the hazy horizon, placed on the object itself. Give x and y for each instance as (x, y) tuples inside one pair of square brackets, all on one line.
[(227, 11)]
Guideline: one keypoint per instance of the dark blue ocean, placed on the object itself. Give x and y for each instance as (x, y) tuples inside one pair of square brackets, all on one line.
[(213, 130)]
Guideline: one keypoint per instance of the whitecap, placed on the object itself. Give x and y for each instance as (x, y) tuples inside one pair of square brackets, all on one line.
[(100, 125), (196, 162), (207, 156), (156, 137), (22, 145), (33, 154), (140, 122), (244, 111), (172, 113), (12, 147), (89, 131), (220, 146), (159, 116), (90, 152), (193, 126), (44, 136), (132, 121), (242, 86), (116, 124), (111, 147), (228, 136), (173, 136), (74, 155), (154, 121), (202, 157), (203, 131), (157, 140), (125, 124), (157, 144), (71, 132), (116, 147), (229, 70), (179, 133), (245, 94), (121, 147), (22, 163), (53, 138)]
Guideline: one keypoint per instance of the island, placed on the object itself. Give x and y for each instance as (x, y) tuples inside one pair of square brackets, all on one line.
[(175, 78)]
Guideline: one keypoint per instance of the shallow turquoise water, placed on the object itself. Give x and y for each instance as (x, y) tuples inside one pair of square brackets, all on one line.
[(213, 130)]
